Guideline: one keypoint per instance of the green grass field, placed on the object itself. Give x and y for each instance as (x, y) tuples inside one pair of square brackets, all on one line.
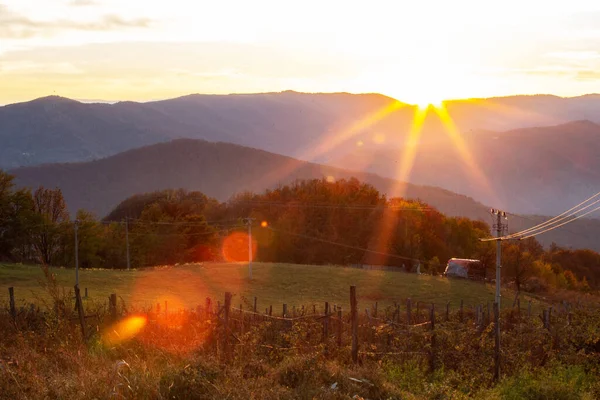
[(273, 284)]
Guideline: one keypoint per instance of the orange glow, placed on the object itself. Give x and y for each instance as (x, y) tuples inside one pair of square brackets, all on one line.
[(411, 144), (124, 330), (264, 224), (463, 150), (334, 139), (389, 220), (235, 247)]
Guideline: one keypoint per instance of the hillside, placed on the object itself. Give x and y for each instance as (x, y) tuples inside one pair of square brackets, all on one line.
[(531, 170), (221, 170), (365, 131)]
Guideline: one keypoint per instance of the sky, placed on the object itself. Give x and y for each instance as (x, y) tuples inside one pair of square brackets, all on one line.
[(415, 51)]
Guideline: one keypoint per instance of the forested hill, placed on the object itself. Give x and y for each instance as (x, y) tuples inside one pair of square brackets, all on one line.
[(221, 170)]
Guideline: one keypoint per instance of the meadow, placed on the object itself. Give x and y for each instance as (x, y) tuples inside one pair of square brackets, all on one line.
[(186, 286), (193, 353)]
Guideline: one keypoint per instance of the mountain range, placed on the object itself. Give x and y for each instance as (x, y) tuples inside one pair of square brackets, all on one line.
[(221, 170), (526, 154)]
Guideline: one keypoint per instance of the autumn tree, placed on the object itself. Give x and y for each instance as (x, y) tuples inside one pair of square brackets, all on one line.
[(52, 217)]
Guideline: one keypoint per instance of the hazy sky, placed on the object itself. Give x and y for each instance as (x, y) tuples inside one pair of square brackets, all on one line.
[(416, 51)]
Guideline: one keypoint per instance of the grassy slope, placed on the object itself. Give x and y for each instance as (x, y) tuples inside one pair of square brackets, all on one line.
[(273, 284)]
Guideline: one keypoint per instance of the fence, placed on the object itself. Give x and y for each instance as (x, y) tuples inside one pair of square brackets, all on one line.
[(417, 331)]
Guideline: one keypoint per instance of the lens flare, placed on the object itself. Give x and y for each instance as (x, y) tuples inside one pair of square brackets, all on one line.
[(124, 330), (235, 247), (466, 156), (264, 224)]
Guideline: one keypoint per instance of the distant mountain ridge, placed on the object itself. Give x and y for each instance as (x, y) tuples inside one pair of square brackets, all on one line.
[(505, 136), (530, 170), (221, 169)]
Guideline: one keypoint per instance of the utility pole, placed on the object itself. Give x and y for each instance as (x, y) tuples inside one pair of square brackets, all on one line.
[(500, 228), (127, 241), (249, 222), (76, 254)]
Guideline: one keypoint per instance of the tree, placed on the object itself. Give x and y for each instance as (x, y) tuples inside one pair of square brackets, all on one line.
[(52, 217), (517, 263)]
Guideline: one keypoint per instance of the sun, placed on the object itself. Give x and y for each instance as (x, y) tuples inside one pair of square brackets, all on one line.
[(430, 103)]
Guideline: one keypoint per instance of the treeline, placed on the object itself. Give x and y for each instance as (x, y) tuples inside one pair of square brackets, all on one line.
[(307, 222)]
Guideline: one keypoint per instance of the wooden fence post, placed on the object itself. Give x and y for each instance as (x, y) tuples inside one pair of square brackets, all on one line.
[(326, 322), (408, 312), (13, 309), (270, 310), (547, 319), (354, 320), (227, 307), (86, 293), (112, 306), (497, 343), (461, 314), (339, 327), (254, 309), (208, 305), (432, 319), (79, 305), (284, 310)]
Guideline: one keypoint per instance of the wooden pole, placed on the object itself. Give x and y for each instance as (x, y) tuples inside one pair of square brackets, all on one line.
[(80, 313), (326, 323), (13, 309), (227, 307), (432, 319), (497, 342), (270, 310), (408, 312), (112, 301), (354, 320), (255, 300), (208, 305), (339, 327), (284, 314)]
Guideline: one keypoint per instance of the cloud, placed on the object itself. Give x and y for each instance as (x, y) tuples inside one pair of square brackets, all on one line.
[(80, 3), (576, 55), (17, 26), (590, 75)]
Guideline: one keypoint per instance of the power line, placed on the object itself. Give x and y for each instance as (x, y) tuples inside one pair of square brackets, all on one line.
[(533, 220), (348, 246), (332, 205), (558, 226), (559, 218), (530, 232)]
